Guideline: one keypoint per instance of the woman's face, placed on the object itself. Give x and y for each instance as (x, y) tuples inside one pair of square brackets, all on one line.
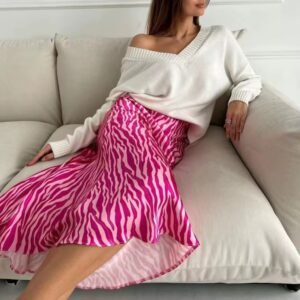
[(194, 7)]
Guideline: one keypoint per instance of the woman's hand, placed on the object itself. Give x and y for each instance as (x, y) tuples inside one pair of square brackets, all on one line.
[(44, 154), (235, 119)]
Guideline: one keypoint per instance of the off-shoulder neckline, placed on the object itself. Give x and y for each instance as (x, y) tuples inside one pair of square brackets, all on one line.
[(185, 53)]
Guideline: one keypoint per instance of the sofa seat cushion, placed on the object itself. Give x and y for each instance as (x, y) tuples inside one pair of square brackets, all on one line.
[(20, 141), (24, 171), (242, 239)]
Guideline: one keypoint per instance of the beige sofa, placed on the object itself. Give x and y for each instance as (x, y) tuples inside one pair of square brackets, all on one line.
[(243, 197)]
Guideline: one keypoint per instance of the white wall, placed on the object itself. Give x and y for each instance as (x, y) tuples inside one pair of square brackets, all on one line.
[(272, 40)]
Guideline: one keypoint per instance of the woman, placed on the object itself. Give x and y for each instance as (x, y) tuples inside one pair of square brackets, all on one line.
[(112, 215)]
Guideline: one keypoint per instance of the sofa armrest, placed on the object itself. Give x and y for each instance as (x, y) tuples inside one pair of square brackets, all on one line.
[(269, 146)]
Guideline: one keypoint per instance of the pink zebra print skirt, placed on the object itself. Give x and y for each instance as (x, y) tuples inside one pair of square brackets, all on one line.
[(118, 190)]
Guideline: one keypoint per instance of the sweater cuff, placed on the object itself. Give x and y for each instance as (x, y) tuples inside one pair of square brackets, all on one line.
[(240, 95), (60, 148)]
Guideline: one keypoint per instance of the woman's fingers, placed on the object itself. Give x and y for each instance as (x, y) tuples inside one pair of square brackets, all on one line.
[(237, 127), (241, 125), (243, 122), (236, 114), (227, 132), (40, 155), (233, 128), (48, 157)]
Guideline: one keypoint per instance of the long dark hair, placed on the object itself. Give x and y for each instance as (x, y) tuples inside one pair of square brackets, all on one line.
[(163, 15)]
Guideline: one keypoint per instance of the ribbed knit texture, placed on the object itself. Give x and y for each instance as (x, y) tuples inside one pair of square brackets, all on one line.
[(183, 86), (187, 52)]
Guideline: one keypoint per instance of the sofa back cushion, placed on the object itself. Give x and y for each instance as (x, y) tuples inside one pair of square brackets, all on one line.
[(28, 82), (87, 69)]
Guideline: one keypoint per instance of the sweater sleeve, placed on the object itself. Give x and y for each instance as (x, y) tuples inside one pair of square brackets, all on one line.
[(247, 84), (83, 135)]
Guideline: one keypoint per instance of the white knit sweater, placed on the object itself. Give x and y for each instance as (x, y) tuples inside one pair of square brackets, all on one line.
[(184, 86)]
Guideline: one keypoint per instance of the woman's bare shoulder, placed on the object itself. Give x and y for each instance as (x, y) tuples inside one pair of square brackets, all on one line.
[(142, 40)]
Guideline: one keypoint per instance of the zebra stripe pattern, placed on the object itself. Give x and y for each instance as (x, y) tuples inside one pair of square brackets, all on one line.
[(118, 190)]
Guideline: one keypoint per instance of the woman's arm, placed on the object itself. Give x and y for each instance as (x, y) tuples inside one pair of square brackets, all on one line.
[(83, 135), (247, 84)]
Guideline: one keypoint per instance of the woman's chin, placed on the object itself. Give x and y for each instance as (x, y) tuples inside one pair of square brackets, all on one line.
[(200, 11)]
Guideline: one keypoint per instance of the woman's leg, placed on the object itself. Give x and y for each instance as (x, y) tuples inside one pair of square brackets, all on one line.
[(64, 267), (66, 295)]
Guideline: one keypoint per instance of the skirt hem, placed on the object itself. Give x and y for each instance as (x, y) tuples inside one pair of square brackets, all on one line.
[(80, 286)]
